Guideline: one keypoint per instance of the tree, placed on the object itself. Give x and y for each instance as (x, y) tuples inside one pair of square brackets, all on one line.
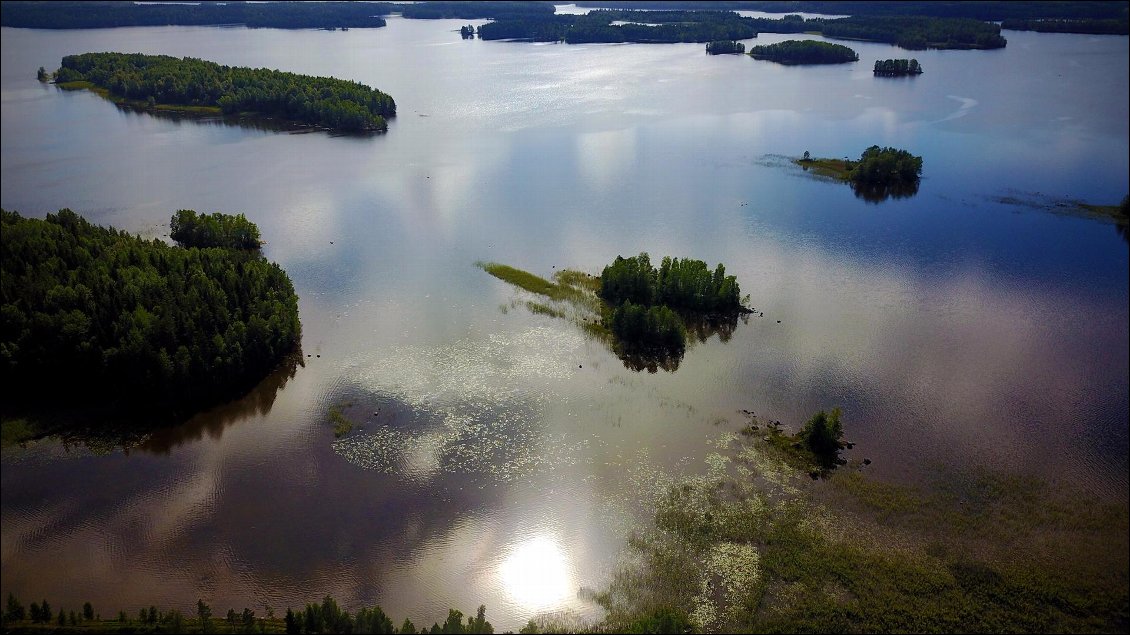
[(87, 611), (807, 156), (292, 624), (204, 612), (15, 610), (822, 435)]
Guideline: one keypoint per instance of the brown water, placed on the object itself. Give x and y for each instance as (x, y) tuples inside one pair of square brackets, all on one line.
[(500, 457)]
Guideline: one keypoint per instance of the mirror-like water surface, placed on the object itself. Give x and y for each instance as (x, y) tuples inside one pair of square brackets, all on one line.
[(500, 457)]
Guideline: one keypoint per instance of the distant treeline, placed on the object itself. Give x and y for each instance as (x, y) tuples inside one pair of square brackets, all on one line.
[(282, 15), (650, 26), (279, 15), (804, 52), (993, 10), (93, 315), (472, 10), (916, 33), (161, 79), (894, 68), (707, 26), (1085, 25), (317, 617)]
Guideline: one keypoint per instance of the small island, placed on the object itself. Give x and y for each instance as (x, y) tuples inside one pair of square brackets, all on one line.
[(804, 52), (134, 330), (879, 174), (725, 47), (647, 316), (194, 86), (897, 68)]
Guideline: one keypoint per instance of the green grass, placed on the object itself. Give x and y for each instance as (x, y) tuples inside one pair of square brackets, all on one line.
[(832, 168), (981, 552), (525, 280)]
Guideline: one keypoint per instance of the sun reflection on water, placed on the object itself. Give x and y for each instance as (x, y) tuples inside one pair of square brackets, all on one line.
[(536, 574)]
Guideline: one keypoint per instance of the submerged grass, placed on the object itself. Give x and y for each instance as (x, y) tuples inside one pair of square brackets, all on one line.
[(972, 553), (342, 424), (832, 168)]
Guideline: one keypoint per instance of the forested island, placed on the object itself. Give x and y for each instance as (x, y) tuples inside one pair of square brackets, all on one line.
[(804, 52), (879, 174), (123, 325), (645, 315), (897, 68), (621, 25), (198, 86), (631, 26), (725, 47)]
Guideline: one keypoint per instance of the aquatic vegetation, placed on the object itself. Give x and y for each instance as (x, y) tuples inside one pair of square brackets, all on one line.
[(974, 552), (342, 424)]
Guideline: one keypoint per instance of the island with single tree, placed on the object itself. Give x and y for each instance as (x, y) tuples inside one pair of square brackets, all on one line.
[(897, 68), (136, 329), (161, 82), (804, 52)]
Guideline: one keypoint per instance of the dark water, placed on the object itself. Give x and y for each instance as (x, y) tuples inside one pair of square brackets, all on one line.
[(501, 457)]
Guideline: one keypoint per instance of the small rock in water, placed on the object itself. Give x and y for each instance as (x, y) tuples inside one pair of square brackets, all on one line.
[(867, 461)]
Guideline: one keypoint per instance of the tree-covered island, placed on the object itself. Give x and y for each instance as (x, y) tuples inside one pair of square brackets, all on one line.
[(897, 68), (131, 328), (725, 47), (879, 174), (161, 82), (645, 315), (804, 52)]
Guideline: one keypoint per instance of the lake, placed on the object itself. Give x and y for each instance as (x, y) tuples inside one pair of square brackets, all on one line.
[(500, 457)]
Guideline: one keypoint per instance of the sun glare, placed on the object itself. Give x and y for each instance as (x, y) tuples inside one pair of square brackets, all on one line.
[(536, 574)]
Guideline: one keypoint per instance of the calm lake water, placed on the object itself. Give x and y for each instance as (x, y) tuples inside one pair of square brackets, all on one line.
[(502, 458)]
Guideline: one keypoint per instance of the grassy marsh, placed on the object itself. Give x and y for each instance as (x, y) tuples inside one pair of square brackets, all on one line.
[(978, 552)]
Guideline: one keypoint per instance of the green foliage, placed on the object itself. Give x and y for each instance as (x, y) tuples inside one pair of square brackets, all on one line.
[(681, 284), (895, 68), (107, 314), (15, 610), (881, 166), (823, 435), (190, 229), (725, 47), (804, 52), (917, 32), (318, 101)]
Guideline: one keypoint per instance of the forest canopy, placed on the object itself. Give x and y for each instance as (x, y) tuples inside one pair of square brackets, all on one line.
[(96, 314), (804, 52), (163, 80)]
